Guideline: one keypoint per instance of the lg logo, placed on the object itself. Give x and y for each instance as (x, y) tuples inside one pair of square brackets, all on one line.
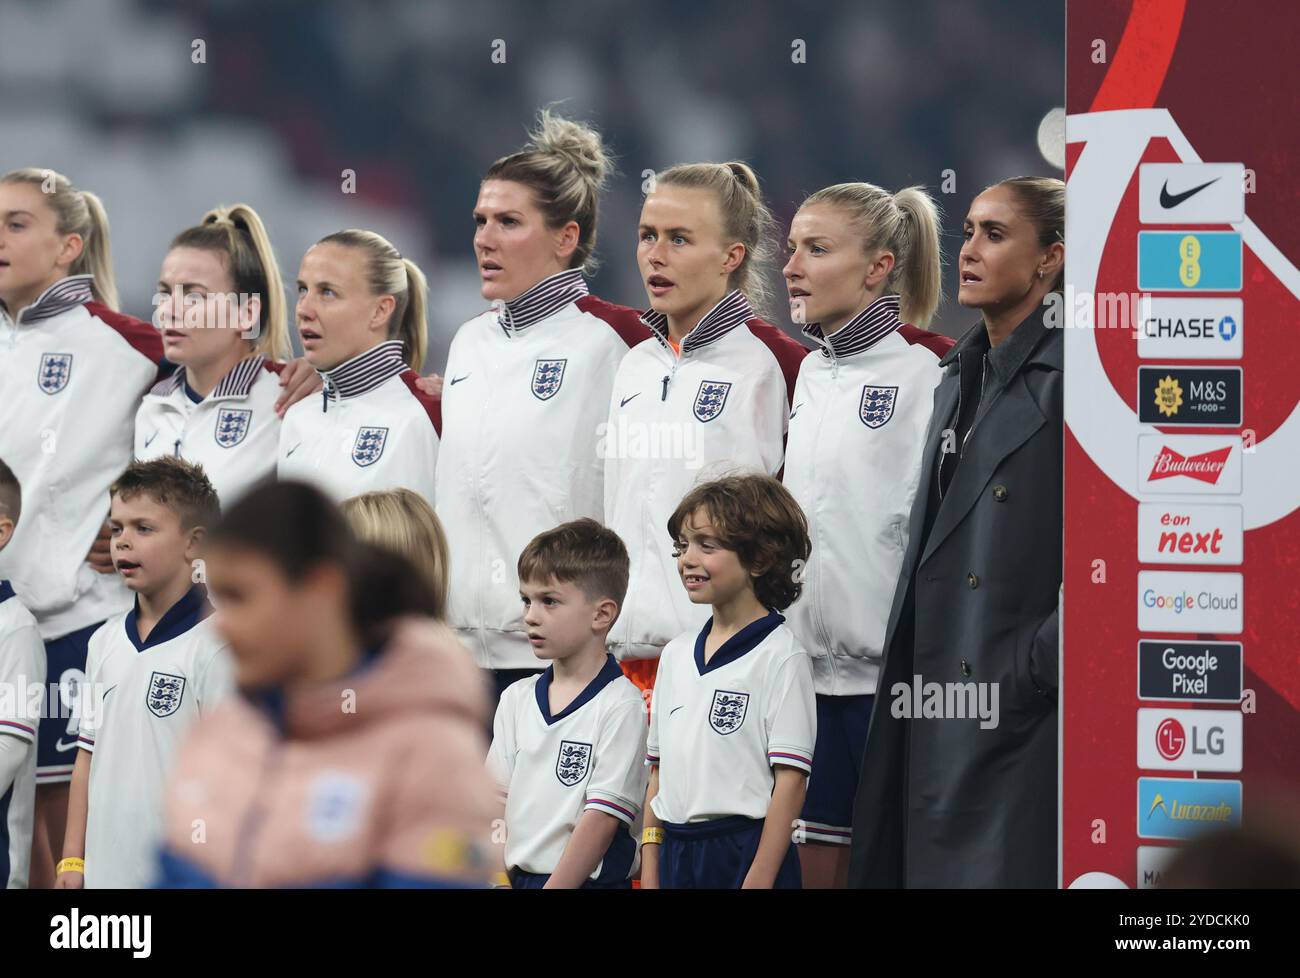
[(1171, 740)]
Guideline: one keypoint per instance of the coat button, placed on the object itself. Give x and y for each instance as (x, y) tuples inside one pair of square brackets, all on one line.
[(965, 668), (972, 580), (1000, 493)]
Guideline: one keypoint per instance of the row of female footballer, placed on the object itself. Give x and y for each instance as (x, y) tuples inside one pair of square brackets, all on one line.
[(585, 484)]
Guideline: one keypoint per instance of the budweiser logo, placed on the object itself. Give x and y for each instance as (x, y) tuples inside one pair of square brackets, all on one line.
[(1206, 467)]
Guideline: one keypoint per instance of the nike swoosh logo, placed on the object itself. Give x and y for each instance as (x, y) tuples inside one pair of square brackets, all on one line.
[(675, 709), (623, 402), (796, 410), (59, 745), (457, 380), (1168, 200), (292, 450), (151, 438)]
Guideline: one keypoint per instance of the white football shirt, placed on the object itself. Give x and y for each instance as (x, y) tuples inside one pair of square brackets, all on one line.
[(717, 729), (551, 769), (140, 700), (22, 666)]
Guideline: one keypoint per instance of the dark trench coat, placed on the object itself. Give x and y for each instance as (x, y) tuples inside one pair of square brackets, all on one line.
[(943, 802)]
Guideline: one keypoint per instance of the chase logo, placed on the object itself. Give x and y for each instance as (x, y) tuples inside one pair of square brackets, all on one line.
[(877, 405), (572, 762), (1183, 808), (710, 398), (54, 371), (548, 375), (232, 426), (369, 446)]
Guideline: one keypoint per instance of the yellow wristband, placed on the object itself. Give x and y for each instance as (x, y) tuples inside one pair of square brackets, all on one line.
[(71, 864), (652, 837)]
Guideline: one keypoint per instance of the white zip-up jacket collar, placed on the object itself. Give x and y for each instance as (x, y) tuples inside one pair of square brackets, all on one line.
[(542, 300), (73, 290), (363, 373), (732, 310)]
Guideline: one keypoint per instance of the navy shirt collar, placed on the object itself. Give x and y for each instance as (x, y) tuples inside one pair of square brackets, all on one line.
[(732, 310), (862, 332), (745, 640), (544, 299), (608, 673), (191, 609), (6, 591)]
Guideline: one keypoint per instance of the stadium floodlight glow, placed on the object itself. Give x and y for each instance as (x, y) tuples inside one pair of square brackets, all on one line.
[(1051, 137)]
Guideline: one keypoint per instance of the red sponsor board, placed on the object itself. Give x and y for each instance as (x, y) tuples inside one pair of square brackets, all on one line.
[(1192, 92)]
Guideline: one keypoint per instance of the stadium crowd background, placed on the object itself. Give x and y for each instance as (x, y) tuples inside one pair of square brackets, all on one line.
[(406, 94)]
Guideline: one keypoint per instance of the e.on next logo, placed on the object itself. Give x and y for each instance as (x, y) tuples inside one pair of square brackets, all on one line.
[(1189, 534), (1189, 740)]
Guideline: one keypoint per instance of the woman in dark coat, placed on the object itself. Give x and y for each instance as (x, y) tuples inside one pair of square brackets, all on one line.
[(959, 778)]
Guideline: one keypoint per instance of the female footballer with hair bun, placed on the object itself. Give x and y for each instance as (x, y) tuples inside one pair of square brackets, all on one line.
[(222, 314), (862, 276), (527, 383), (714, 380)]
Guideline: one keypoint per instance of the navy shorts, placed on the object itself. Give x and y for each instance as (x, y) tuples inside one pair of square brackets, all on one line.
[(716, 855), (519, 880), (842, 723), (65, 672)]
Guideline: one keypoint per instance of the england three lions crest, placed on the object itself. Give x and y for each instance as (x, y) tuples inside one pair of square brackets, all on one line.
[(572, 763), (728, 711), (165, 694), (369, 446), (877, 405), (232, 426), (548, 375), (711, 398), (54, 371)]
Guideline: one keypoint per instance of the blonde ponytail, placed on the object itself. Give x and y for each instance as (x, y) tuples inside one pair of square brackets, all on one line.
[(238, 233), (77, 212), (906, 224), (388, 273), (745, 218), (411, 330), (565, 164)]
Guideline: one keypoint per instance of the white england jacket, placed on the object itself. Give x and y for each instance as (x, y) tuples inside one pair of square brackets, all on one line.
[(234, 432), (525, 395), (853, 459), (370, 429), (721, 407), (72, 373)]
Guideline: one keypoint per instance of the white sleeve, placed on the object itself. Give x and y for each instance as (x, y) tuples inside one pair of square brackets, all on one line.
[(771, 408), (13, 754), (618, 781), (652, 734), (215, 679), (791, 717), (501, 755), (22, 665), (90, 699)]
